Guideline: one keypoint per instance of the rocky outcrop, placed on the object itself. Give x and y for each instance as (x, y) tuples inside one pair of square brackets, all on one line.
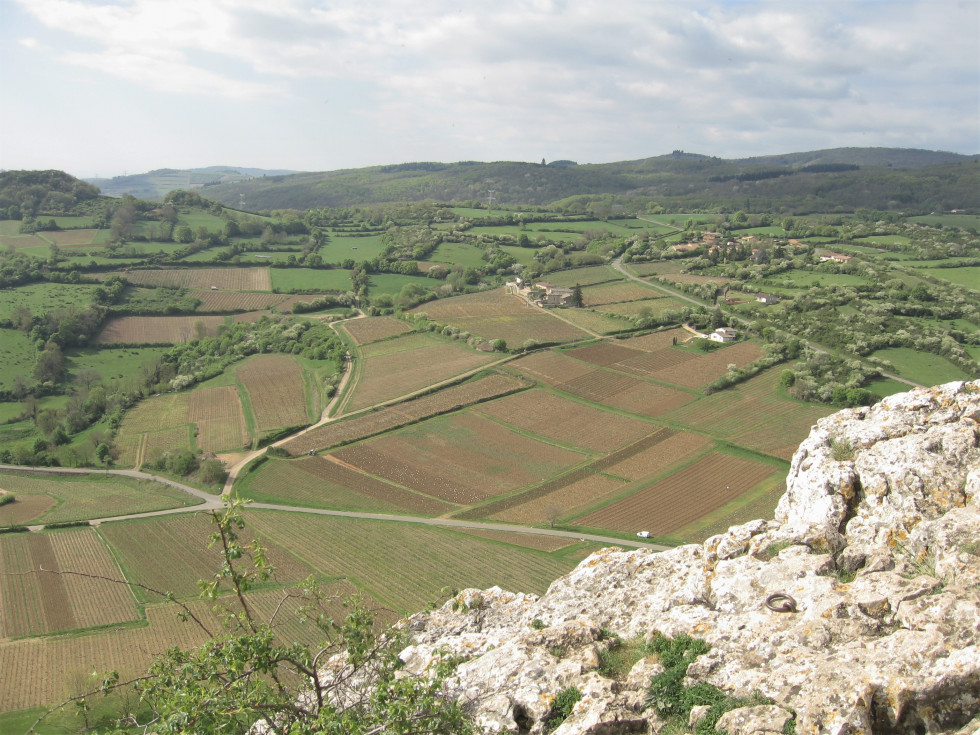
[(874, 555)]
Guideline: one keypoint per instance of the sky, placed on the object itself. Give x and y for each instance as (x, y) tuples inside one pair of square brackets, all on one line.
[(106, 87)]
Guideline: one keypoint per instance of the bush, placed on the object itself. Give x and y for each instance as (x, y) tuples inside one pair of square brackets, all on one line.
[(562, 706)]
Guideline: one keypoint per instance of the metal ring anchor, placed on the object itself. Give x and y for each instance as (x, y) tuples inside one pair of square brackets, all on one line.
[(781, 602)]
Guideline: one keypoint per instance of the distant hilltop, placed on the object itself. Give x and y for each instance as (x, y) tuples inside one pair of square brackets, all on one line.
[(832, 180), (156, 184)]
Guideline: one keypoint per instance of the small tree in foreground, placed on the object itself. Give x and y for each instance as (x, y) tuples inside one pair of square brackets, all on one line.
[(246, 676)]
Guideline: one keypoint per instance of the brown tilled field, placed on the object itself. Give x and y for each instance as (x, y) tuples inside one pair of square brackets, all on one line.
[(341, 432), (321, 476), (72, 238), (495, 302), (364, 331), (710, 366), (598, 385), (550, 366), (497, 314), (33, 602), (487, 459), (641, 398), (218, 415), (276, 389), (224, 279), (24, 509), (579, 490), (657, 340), (158, 329), (651, 455), (682, 497), (566, 421), (391, 374), (232, 301), (603, 353)]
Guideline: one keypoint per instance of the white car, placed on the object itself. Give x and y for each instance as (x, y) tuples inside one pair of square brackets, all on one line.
[(643, 534)]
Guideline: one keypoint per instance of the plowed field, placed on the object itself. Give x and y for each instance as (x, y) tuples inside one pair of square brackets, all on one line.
[(566, 421), (754, 415), (497, 314), (35, 602), (276, 390), (391, 417), (318, 482), (580, 491), (158, 329), (461, 459), (603, 353), (218, 415), (682, 497), (179, 555), (390, 373), (225, 279), (232, 301), (551, 367), (374, 328)]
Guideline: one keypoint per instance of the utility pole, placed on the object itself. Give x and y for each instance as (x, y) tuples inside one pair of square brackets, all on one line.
[(490, 204)]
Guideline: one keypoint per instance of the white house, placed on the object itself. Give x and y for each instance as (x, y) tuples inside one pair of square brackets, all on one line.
[(723, 334)]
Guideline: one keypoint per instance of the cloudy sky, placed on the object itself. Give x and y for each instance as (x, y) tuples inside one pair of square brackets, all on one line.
[(111, 86)]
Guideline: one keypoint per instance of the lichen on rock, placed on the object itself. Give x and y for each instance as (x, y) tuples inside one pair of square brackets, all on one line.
[(877, 541)]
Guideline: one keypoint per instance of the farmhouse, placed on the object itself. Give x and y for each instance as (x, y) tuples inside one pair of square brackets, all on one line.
[(767, 298), (723, 334), (836, 257), (541, 293)]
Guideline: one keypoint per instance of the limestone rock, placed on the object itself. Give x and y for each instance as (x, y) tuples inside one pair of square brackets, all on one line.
[(877, 542)]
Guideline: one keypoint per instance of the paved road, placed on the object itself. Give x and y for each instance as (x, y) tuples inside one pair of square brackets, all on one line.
[(213, 502)]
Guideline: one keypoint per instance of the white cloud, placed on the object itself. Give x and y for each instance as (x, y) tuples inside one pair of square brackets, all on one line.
[(591, 76)]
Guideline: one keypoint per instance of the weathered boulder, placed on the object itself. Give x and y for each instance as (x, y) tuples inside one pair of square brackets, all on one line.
[(877, 544)]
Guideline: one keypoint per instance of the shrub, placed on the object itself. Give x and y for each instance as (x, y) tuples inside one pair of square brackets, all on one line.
[(562, 706), (668, 695), (841, 450)]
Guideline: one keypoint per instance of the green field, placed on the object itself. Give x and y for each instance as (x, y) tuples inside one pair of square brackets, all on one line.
[(87, 496), (963, 221), (967, 276), (341, 247), (450, 253), (882, 387), (199, 218), (42, 298), (806, 279), (403, 566), (583, 276), (18, 357), (524, 256), (308, 279), (112, 363), (922, 367), (883, 240), (392, 284)]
